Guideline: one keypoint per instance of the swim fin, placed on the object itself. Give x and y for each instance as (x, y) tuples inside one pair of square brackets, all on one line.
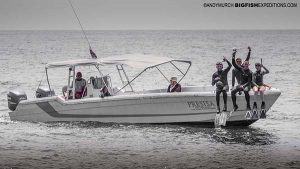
[(248, 115), (254, 111), (229, 115), (263, 111), (223, 118), (217, 120)]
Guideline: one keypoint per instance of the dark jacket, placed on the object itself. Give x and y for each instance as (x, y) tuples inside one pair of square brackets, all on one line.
[(176, 88)]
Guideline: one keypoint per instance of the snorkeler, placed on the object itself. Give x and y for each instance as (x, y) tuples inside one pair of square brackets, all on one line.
[(237, 74), (219, 78), (258, 83), (246, 81)]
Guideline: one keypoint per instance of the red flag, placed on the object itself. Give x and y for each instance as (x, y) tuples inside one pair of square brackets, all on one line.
[(93, 54)]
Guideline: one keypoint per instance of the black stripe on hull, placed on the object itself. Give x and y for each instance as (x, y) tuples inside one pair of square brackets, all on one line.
[(46, 107), (207, 124)]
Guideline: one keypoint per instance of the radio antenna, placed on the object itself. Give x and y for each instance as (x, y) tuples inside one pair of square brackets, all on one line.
[(93, 54)]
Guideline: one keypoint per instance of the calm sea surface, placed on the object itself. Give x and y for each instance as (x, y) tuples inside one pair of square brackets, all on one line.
[(270, 143)]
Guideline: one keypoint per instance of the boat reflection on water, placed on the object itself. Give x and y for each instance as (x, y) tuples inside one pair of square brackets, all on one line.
[(246, 136), (233, 135), (230, 135)]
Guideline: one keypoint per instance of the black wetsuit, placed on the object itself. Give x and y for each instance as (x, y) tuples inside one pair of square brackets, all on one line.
[(246, 82), (223, 78), (257, 80), (258, 77), (237, 74)]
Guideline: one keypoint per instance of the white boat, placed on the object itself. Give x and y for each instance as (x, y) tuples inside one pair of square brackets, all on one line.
[(194, 105)]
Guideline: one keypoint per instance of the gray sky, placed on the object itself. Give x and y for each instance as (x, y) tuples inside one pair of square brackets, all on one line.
[(143, 14)]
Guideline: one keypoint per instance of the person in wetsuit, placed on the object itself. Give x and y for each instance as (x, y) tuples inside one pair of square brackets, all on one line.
[(246, 82), (237, 74), (219, 78), (174, 86), (258, 84)]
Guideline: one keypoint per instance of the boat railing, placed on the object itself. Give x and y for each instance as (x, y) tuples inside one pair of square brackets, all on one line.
[(183, 89)]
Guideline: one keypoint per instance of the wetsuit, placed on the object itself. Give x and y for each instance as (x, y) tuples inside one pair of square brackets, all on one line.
[(224, 85), (258, 77), (176, 88), (237, 74), (246, 81), (258, 81)]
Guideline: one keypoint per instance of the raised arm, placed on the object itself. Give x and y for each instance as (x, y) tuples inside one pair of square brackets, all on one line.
[(233, 61), (266, 70), (249, 53), (229, 64)]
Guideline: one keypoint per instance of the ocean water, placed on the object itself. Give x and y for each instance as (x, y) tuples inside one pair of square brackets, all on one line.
[(270, 143)]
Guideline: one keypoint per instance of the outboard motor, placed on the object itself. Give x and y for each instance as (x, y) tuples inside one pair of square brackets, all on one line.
[(44, 92), (14, 97)]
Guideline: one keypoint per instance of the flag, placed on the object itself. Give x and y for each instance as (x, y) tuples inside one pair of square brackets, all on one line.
[(93, 54)]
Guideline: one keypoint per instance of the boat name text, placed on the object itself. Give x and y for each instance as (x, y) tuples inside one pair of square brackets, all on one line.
[(201, 105)]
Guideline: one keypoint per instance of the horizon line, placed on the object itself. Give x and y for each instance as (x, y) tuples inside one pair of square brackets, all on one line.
[(259, 29)]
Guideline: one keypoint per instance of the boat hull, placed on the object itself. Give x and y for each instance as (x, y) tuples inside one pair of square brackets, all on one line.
[(157, 108)]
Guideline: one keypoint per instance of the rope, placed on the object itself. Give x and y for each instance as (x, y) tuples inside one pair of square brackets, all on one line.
[(41, 80)]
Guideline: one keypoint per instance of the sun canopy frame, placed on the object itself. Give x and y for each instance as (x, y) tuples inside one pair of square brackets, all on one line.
[(72, 63), (131, 60), (140, 61), (145, 62)]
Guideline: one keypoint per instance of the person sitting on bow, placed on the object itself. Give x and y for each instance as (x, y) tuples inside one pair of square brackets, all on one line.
[(258, 82), (219, 78)]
